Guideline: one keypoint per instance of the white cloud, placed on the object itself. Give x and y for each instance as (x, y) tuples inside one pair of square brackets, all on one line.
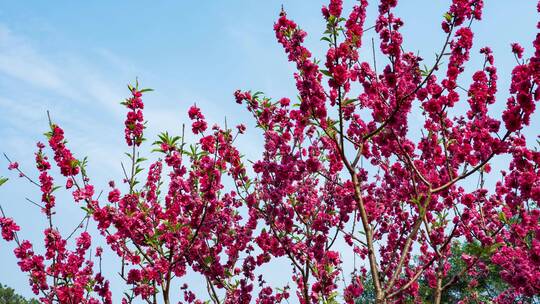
[(20, 61), (79, 95)]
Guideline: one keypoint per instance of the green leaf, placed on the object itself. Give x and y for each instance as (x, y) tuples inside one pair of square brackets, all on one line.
[(494, 247), (48, 134), (326, 72), (349, 101), (502, 217), (88, 210), (3, 180), (257, 94), (448, 17), (326, 39), (332, 19)]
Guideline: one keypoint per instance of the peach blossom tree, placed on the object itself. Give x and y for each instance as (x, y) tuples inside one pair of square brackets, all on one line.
[(338, 164)]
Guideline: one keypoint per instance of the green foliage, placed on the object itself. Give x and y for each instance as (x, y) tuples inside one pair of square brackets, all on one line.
[(486, 289), (8, 296)]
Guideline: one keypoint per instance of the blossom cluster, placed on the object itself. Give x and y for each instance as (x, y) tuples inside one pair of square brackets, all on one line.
[(134, 120)]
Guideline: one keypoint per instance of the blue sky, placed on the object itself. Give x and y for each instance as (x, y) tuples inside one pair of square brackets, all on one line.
[(75, 58)]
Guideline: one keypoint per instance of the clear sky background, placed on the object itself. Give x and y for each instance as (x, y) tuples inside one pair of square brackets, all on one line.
[(75, 58)]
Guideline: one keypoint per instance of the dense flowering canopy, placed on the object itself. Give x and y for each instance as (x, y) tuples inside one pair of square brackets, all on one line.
[(341, 164)]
